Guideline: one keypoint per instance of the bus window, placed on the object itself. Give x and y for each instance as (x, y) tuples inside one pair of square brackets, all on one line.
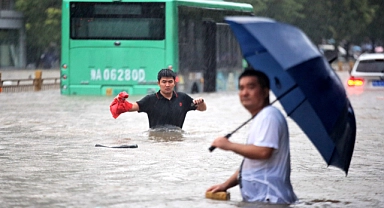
[(208, 50), (110, 46), (123, 21)]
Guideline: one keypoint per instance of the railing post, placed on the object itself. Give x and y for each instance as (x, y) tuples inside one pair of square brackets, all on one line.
[(1, 84), (340, 65), (37, 82), (351, 63)]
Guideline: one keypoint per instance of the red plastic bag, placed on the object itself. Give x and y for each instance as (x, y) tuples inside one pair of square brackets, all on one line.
[(119, 105)]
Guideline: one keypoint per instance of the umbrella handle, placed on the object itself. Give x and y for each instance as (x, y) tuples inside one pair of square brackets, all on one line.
[(213, 147)]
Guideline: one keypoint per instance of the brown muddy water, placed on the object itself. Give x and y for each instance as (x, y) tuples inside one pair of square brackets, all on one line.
[(49, 159)]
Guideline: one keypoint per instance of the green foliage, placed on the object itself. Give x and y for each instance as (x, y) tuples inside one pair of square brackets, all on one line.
[(284, 10), (258, 5), (341, 20), (375, 28), (353, 17), (42, 23)]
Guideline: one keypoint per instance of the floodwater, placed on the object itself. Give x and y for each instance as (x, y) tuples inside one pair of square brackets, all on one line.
[(49, 159)]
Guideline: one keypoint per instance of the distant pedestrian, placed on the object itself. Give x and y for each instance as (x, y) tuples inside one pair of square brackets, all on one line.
[(48, 59)]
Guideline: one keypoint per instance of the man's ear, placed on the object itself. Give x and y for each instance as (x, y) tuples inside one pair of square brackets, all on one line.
[(266, 92)]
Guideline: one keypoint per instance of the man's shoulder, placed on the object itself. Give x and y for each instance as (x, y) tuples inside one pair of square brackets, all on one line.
[(148, 97), (270, 111), (271, 108), (182, 94), (152, 95)]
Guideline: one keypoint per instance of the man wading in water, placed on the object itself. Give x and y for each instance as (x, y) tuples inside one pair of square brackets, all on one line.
[(264, 175), (165, 107)]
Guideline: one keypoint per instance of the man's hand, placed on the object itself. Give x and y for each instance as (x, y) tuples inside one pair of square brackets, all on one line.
[(200, 104), (217, 188), (119, 105), (198, 101), (222, 143), (122, 96)]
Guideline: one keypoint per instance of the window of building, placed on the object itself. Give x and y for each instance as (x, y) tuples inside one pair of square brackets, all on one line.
[(6, 4)]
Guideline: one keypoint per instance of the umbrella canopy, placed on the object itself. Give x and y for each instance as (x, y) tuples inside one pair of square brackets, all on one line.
[(307, 87)]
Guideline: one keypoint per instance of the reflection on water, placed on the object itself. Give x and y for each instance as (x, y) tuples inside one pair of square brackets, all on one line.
[(262, 205), (166, 134)]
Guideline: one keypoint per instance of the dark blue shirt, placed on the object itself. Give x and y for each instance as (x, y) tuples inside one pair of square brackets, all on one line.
[(163, 112)]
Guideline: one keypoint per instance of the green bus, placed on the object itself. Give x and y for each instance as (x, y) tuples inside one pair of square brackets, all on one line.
[(109, 46)]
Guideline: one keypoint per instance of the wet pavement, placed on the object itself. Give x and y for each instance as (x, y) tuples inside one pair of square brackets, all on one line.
[(49, 159)]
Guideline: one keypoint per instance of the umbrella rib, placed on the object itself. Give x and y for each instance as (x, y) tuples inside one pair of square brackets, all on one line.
[(255, 52), (284, 94), (297, 106)]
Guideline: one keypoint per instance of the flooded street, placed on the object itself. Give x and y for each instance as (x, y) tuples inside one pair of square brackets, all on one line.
[(49, 159)]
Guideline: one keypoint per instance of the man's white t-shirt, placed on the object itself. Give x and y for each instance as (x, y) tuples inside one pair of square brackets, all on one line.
[(268, 180)]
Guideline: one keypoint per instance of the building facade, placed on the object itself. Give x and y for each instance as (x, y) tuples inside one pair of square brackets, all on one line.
[(12, 37)]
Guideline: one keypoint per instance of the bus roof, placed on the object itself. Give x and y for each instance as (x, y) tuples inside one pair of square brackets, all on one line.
[(214, 4)]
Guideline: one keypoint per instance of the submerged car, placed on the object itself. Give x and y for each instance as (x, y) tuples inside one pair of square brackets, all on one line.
[(368, 72)]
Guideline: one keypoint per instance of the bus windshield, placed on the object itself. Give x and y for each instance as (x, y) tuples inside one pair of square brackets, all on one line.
[(117, 21)]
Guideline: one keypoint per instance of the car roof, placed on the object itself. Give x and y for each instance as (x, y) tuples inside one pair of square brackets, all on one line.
[(368, 70), (370, 56)]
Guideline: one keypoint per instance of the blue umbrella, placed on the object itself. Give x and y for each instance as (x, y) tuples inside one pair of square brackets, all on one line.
[(309, 90)]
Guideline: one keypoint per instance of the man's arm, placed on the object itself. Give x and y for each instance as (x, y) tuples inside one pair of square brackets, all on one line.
[(229, 183), (135, 107), (247, 150)]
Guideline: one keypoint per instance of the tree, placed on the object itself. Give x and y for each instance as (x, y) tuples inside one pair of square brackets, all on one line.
[(43, 25), (374, 30), (258, 5), (282, 10), (287, 11), (339, 20), (315, 21)]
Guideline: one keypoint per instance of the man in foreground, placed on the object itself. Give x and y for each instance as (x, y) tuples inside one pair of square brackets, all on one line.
[(165, 107), (264, 175)]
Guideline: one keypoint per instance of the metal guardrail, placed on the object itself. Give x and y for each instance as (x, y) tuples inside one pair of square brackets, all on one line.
[(23, 85)]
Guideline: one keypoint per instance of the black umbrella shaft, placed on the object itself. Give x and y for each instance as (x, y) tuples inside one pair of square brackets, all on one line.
[(230, 134)]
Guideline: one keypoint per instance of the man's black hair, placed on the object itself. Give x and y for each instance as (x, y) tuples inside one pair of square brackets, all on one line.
[(166, 73), (261, 76)]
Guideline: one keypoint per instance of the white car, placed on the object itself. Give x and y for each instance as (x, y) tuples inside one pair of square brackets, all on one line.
[(368, 72)]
